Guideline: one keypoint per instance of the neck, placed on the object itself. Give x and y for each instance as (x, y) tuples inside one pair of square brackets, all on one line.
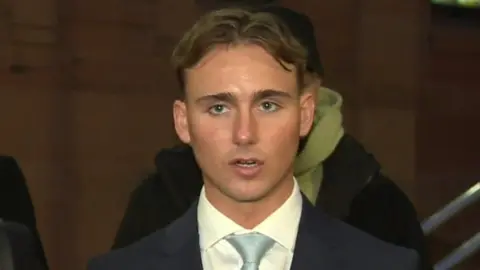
[(252, 213)]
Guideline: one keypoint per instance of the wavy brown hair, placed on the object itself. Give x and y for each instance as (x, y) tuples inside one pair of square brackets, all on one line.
[(239, 26)]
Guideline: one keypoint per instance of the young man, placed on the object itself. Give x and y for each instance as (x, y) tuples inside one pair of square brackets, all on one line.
[(333, 170), (244, 110)]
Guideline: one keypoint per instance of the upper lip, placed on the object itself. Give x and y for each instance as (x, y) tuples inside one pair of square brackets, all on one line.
[(256, 160)]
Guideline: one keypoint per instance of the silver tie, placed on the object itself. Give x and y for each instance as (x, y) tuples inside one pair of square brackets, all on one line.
[(251, 247)]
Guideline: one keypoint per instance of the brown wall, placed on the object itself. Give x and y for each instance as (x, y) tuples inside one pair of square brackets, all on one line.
[(88, 114), (448, 148)]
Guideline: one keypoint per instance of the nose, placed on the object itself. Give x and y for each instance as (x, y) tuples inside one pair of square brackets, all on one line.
[(245, 128)]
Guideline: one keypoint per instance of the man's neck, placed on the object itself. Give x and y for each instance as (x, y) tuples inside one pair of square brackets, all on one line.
[(250, 214)]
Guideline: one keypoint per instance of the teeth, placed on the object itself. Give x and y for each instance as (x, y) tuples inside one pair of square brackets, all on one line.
[(246, 163)]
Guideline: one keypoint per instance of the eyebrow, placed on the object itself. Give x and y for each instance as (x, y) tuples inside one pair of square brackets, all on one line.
[(229, 97)]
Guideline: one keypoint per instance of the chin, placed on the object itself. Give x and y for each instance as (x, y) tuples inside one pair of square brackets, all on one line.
[(247, 198), (247, 195)]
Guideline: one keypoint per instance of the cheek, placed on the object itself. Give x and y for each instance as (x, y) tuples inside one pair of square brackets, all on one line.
[(282, 136), (208, 133)]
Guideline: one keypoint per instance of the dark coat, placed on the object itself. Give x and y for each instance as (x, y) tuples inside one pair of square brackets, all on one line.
[(16, 203), (322, 243), (353, 190)]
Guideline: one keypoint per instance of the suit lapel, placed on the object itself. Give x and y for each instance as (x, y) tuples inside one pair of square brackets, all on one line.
[(180, 243), (314, 248)]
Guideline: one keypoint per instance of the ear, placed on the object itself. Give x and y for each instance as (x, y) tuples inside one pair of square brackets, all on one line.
[(180, 120), (307, 112), (313, 83)]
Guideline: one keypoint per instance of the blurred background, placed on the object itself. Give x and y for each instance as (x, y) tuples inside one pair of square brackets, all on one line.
[(86, 91)]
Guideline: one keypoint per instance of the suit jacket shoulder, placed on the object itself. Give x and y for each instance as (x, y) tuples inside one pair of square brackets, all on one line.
[(373, 253), (135, 256), (164, 249), (328, 243)]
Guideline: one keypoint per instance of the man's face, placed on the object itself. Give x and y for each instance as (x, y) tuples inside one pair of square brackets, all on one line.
[(243, 115)]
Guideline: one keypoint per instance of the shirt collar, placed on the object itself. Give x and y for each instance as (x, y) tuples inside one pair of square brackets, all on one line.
[(281, 225), (212, 224)]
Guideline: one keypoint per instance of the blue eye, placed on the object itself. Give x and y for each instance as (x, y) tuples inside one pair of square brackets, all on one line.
[(217, 109), (268, 106)]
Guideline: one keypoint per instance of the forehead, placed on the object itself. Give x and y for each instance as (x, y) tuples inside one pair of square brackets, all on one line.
[(240, 69)]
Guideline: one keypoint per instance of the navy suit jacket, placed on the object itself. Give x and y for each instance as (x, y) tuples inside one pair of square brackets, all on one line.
[(323, 243)]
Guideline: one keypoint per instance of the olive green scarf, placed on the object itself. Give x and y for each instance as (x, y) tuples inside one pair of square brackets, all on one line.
[(326, 132)]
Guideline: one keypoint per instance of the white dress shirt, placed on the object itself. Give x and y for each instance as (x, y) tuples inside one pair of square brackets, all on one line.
[(281, 226)]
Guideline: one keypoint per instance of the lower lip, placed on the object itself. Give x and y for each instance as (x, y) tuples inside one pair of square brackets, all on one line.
[(247, 172)]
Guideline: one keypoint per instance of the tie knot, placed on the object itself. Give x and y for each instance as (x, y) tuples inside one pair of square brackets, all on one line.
[(251, 246)]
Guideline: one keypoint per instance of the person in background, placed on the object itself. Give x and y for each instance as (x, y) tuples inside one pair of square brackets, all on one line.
[(333, 170), (16, 204)]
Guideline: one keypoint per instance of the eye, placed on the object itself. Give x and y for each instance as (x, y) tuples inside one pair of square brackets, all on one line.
[(217, 109), (268, 106)]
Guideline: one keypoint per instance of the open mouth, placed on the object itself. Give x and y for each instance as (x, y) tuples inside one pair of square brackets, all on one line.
[(247, 168), (246, 163)]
